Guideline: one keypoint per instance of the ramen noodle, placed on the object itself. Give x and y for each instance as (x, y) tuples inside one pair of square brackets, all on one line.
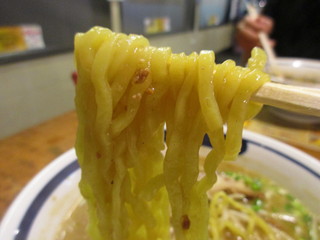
[(243, 205), (127, 91)]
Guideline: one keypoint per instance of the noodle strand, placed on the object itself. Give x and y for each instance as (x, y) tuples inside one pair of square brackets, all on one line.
[(138, 183)]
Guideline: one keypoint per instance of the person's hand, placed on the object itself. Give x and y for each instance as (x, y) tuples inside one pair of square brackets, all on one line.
[(248, 29)]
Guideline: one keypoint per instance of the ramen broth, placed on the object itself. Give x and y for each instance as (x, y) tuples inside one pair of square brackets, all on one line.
[(270, 202)]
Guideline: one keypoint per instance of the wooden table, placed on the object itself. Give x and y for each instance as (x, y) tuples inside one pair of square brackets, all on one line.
[(23, 155)]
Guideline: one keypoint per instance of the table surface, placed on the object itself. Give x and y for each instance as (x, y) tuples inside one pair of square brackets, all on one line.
[(23, 155)]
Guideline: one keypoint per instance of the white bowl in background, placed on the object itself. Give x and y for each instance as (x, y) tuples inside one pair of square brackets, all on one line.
[(44, 203), (299, 72)]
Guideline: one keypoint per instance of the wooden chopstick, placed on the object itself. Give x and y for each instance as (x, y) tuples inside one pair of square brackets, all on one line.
[(293, 98)]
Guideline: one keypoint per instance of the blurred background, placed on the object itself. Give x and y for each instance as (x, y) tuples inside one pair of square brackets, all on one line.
[(36, 44), (36, 47)]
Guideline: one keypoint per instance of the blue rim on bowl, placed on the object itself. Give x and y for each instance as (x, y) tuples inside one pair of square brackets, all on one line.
[(23, 213)]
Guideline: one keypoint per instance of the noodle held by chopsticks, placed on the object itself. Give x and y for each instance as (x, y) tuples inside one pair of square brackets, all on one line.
[(126, 92)]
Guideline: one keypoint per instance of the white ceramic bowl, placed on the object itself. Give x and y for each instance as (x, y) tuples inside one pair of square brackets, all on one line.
[(44, 203), (299, 72)]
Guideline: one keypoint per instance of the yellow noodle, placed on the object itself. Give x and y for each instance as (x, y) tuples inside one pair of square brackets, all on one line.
[(220, 204), (126, 92)]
